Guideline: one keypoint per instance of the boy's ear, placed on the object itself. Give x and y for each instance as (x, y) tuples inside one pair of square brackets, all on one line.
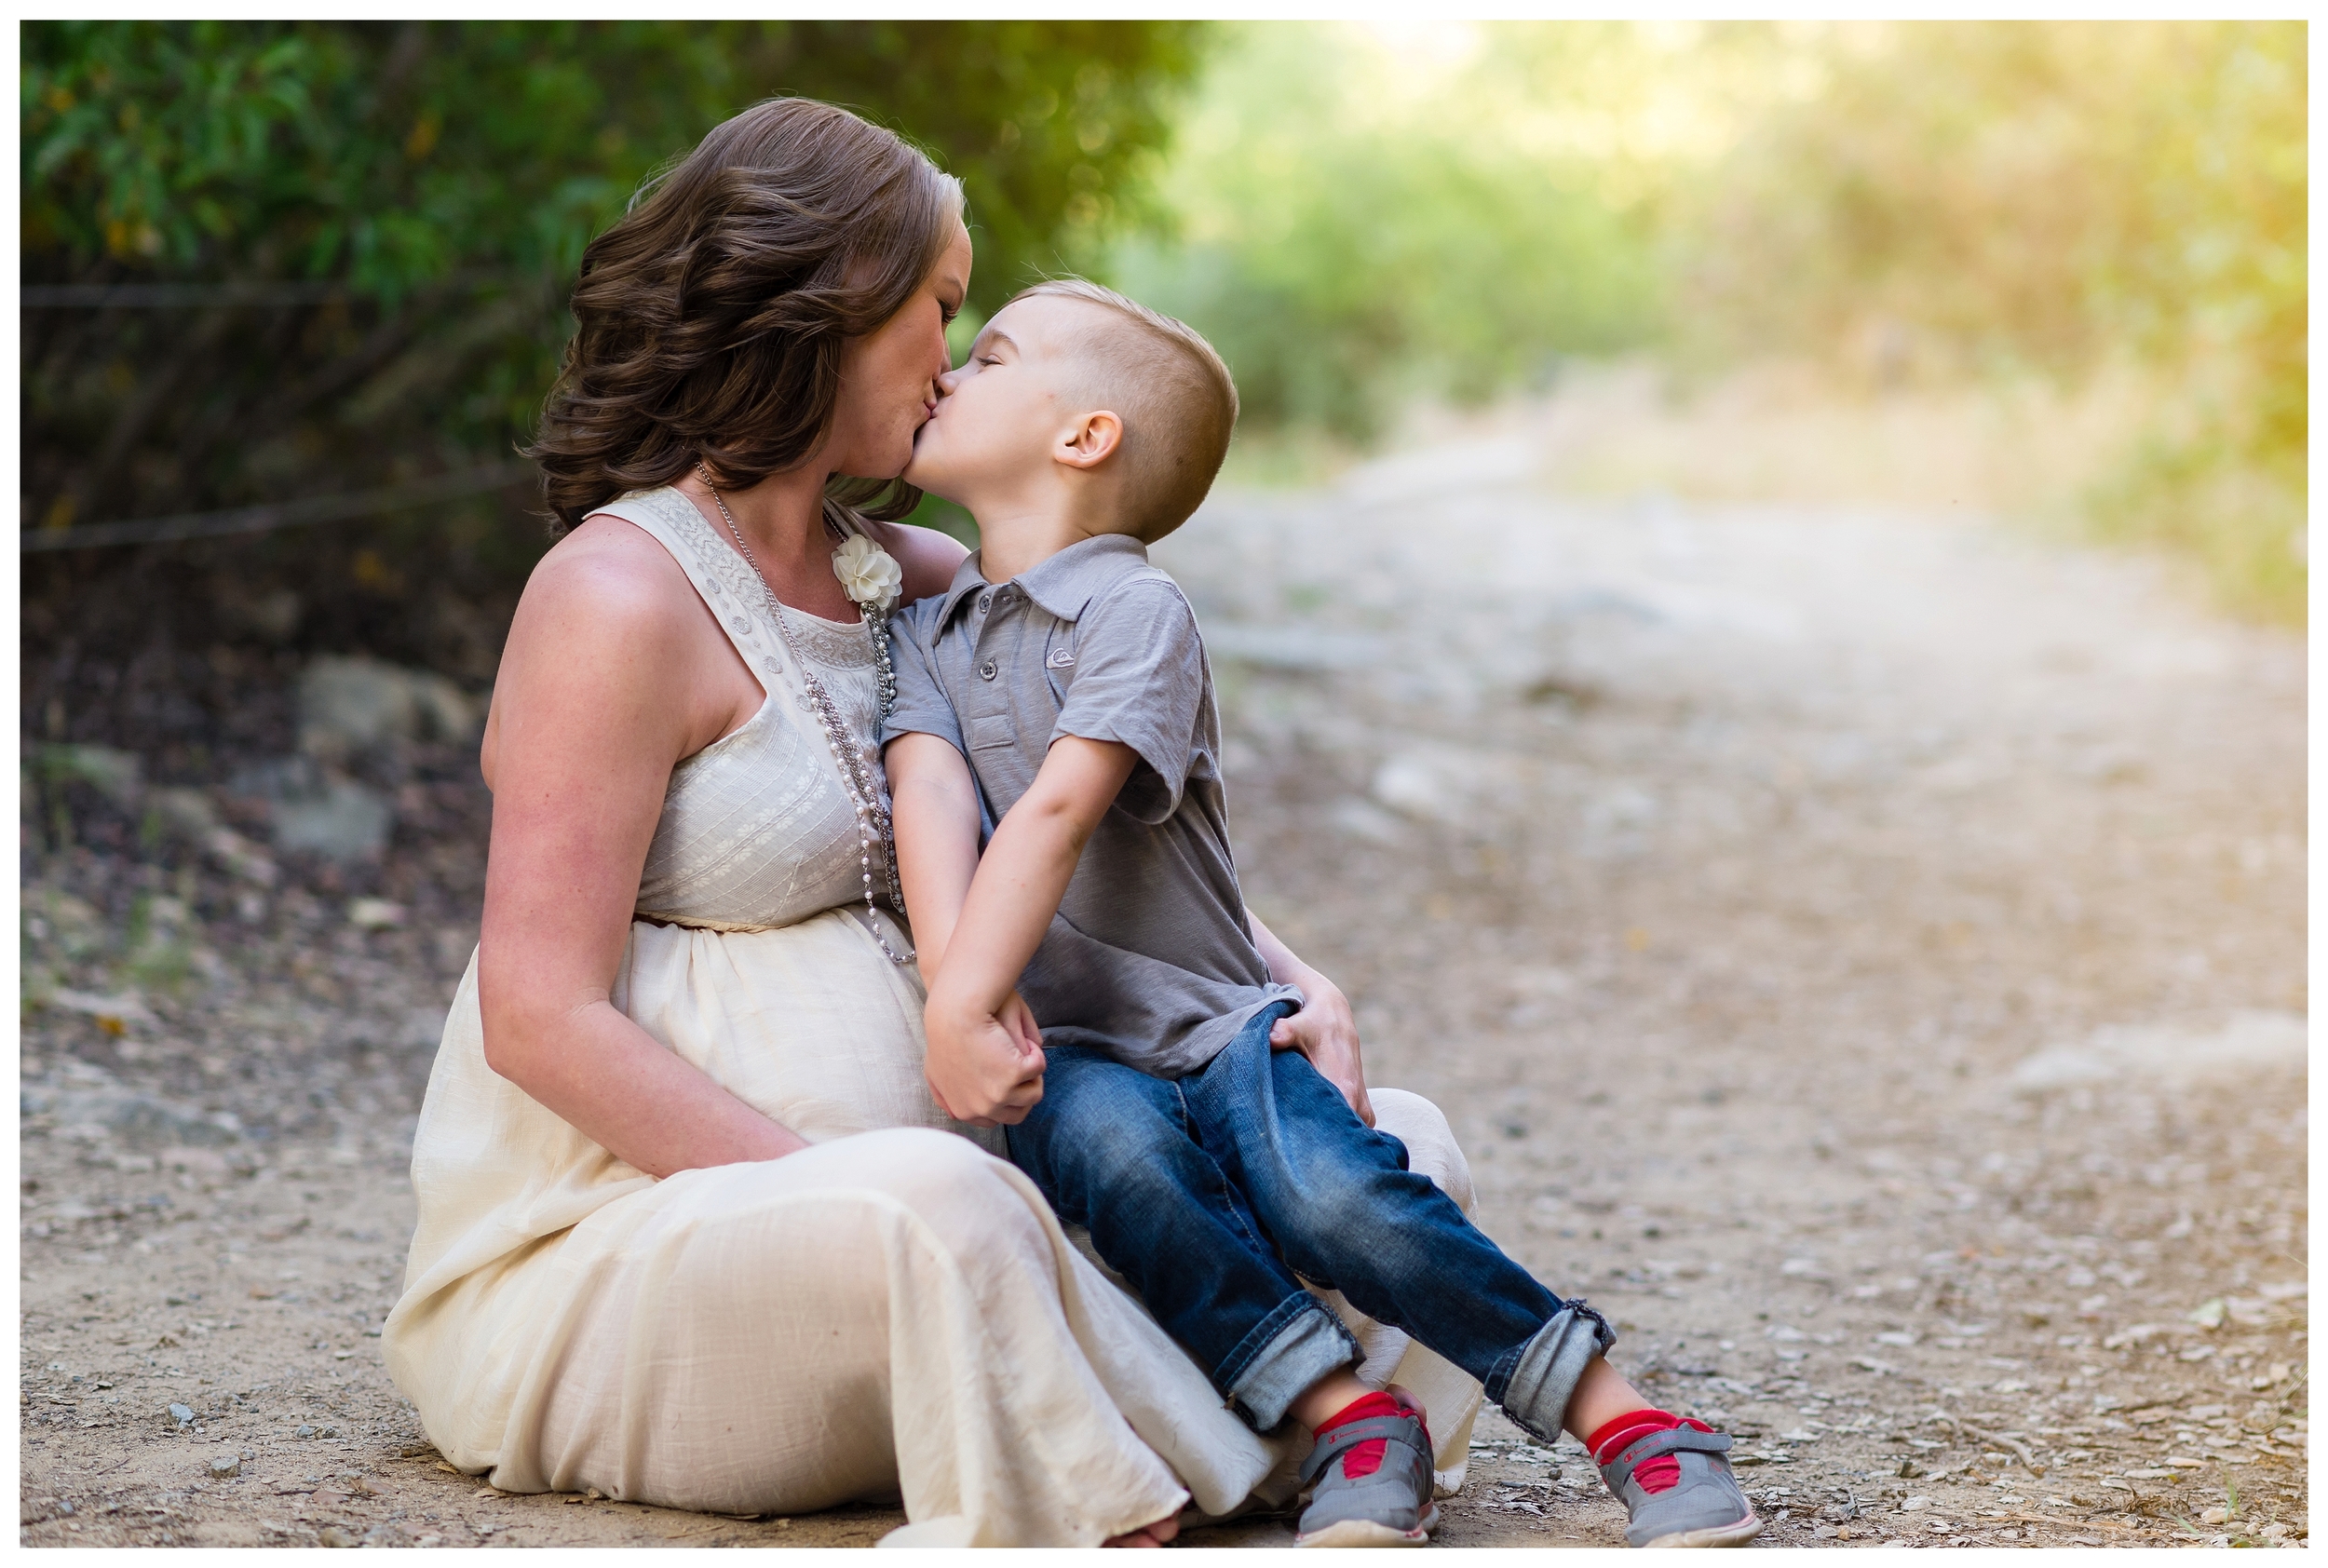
[(1089, 440)]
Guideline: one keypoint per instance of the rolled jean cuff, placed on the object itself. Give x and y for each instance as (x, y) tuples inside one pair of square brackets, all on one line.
[(1298, 1342), (1541, 1377)]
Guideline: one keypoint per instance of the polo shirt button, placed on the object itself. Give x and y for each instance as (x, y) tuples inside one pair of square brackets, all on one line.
[(985, 602), (986, 670)]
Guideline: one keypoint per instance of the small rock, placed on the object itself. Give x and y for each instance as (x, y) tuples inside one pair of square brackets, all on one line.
[(375, 914), (225, 1466), (304, 1432), (182, 1414), (2216, 1515), (333, 1535), (188, 814), (2210, 1313), (342, 821), (350, 706), (239, 856)]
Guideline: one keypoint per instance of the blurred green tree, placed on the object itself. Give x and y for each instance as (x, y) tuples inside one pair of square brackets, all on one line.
[(358, 235), (1353, 231), (2046, 198)]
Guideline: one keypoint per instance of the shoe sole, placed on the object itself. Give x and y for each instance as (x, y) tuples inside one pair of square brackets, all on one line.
[(1736, 1535), (1366, 1533)]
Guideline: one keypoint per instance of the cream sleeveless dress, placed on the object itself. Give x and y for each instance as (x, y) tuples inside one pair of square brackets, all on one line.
[(892, 1312)]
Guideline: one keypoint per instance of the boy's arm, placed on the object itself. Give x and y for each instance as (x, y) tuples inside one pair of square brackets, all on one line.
[(1325, 1030), (1019, 883), (934, 812)]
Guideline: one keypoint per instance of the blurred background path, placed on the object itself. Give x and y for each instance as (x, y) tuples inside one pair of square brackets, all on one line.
[(1863, 953)]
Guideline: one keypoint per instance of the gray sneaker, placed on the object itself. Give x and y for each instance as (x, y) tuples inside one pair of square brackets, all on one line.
[(1391, 1508), (1704, 1509)]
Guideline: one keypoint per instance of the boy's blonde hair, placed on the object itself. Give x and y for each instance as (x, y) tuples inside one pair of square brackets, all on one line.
[(1173, 393)]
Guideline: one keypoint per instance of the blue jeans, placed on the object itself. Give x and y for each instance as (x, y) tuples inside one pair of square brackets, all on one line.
[(1217, 1193)]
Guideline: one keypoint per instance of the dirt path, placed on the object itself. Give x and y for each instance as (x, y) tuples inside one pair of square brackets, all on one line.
[(1865, 957)]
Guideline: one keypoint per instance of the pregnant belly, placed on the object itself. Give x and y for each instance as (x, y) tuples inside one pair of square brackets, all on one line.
[(809, 1025)]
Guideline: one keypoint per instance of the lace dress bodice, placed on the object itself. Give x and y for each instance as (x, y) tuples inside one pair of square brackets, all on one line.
[(757, 829)]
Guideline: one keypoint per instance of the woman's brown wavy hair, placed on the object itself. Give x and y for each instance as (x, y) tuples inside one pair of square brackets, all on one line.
[(709, 321)]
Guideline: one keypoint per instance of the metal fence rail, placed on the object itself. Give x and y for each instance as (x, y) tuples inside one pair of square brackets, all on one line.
[(280, 514)]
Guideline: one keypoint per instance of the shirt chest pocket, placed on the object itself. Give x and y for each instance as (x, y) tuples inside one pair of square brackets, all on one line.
[(1059, 665)]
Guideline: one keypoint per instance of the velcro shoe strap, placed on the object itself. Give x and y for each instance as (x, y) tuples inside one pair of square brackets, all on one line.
[(1681, 1439), (1407, 1429)]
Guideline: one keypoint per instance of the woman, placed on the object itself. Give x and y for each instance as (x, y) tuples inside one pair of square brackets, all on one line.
[(692, 1230)]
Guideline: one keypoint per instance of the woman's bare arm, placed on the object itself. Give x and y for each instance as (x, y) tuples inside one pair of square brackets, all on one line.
[(604, 687)]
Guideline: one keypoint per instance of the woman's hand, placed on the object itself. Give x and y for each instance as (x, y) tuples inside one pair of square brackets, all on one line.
[(1325, 1030)]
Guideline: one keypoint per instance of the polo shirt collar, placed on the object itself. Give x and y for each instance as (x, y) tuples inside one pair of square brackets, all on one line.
[(1062, 585), (1066, 582), (968, 580)]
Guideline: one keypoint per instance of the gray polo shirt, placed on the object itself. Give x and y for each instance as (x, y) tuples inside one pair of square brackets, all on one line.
[(1150, 958)]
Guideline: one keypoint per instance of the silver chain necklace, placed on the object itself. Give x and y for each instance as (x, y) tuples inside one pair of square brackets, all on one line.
[(872, 816)]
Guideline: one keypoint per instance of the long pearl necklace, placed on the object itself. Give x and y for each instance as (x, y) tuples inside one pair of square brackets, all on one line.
[(872, 816)]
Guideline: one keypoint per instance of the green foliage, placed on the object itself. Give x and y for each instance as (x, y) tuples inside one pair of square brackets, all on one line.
[(1371, 213), (447, 175), (1345, 244), (1354, 215), (2051, 197)]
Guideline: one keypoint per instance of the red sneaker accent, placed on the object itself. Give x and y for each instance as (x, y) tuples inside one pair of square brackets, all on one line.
[(1367, 1457), (1656, 1475)]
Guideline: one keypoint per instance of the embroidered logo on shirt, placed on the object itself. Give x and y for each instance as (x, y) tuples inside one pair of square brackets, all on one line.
[(1060, 659)]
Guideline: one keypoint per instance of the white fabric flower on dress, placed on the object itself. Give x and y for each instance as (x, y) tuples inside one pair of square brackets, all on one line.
[(869, 575)]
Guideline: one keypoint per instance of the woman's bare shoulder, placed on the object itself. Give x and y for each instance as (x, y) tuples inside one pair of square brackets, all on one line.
[(611, 574), (928, 556), (604, 636)]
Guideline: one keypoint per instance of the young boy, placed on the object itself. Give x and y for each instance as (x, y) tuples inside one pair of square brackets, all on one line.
[(1097, 986)]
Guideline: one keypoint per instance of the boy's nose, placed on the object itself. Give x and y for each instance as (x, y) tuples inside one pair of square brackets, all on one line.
[(948, 381)]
